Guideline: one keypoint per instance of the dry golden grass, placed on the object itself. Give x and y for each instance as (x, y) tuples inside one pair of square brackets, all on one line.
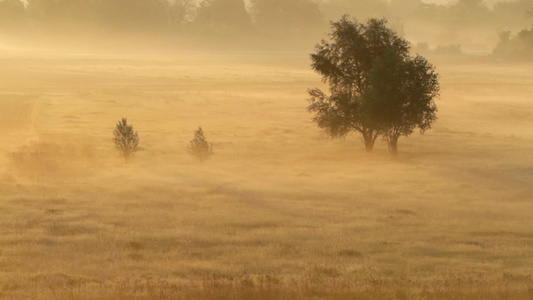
[(280, 211)]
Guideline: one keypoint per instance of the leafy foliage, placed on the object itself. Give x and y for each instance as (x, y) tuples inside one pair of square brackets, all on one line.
[(401, 96), (126, 140), (199, 147)]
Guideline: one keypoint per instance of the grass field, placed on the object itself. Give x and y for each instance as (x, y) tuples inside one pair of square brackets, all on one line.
[(280, 211)]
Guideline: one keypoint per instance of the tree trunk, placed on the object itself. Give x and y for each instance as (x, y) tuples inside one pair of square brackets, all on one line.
[(369, 144), (369, 141), (393, 145)]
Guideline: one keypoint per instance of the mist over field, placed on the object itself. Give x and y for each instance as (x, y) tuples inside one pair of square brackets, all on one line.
[(273, 208)]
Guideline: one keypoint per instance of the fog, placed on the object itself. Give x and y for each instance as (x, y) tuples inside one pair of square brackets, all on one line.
[(280, 210)]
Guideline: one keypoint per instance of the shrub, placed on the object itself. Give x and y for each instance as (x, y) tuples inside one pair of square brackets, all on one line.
[(51, 160), (199, 147), (126, 140)]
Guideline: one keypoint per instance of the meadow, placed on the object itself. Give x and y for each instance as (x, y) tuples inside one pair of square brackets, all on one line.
[(280, 211)]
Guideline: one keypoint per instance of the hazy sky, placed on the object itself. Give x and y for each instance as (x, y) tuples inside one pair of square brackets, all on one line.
[(428, 1), (490, 2)]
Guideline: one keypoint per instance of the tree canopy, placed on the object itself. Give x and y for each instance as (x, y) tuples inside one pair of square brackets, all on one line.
[(223, 16), (401, 96)]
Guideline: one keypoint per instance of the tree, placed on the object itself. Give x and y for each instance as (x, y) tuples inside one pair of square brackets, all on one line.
[(401, 96), (133, 15), (286, 18), (180, 13), (517, 47), (513, 15), (465, 14), (126, 140), (345, 62), (199, 147), (223, 16)]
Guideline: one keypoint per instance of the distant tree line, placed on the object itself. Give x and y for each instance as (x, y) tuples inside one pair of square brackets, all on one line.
[(178, 16), (518, 46), (259, 18)]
